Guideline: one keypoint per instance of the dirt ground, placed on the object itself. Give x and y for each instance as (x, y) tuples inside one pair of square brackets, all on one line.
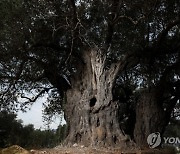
[(84, 150), (15, 149)]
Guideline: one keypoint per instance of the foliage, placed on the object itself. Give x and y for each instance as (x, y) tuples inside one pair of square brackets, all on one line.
[(12, 132), (42, 44), (173, 129), (42, 38)]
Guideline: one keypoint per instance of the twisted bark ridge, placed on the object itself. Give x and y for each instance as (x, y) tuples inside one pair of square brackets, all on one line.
[(90, 113)]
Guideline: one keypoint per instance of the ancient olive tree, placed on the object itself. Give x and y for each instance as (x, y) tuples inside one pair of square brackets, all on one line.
[(112, 67)]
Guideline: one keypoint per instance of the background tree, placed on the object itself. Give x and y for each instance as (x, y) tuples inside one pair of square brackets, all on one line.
[(61, 133), (7, 126), (13, 132), (82, 54)]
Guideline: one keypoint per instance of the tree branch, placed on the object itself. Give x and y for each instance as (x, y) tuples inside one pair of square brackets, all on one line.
[(116, 18), (111, 23), (36, 97), (75, 29), (135, 22), (164, 32), (51, 72), (127, 61)]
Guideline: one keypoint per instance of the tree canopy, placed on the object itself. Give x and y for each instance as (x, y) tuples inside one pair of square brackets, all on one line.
[(42, 44), (41, 41)]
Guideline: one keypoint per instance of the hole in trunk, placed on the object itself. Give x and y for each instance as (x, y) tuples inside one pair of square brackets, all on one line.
[(115, 139), (98, 122), (92, 101), (78, 137)]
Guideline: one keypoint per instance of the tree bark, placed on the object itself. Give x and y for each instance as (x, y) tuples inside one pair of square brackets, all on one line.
[(150, 117), (90, 112)]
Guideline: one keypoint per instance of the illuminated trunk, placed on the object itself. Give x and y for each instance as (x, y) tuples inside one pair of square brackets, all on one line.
[(90, 112)]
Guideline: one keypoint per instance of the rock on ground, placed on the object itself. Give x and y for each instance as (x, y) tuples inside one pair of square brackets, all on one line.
[(15, 149)]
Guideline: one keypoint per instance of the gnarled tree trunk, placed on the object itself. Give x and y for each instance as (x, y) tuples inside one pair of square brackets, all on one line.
[(90, 112)]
